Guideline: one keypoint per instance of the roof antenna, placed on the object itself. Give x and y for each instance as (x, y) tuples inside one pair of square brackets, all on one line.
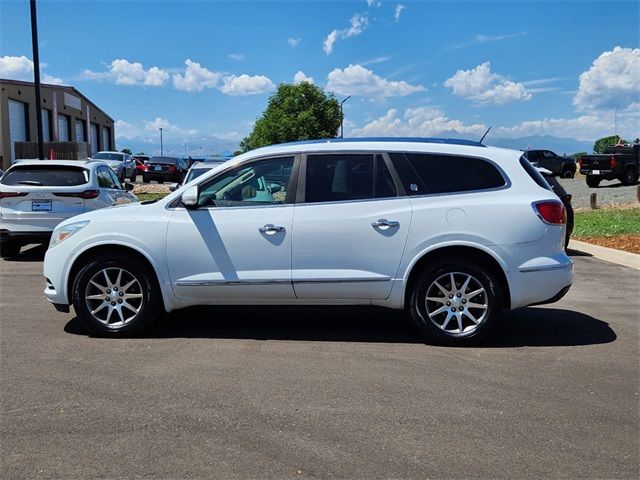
[(485, 134)]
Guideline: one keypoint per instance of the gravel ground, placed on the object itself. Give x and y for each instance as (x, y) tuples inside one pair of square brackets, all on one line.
[(609, 193)]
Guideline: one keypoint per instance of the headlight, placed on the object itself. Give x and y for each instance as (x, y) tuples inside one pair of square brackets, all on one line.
[(62, 233)]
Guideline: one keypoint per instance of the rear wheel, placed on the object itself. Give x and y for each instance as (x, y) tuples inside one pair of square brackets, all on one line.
[(145, 179), (116, 296), (10, 249), (593, 181), (455, 302), (629, 177)]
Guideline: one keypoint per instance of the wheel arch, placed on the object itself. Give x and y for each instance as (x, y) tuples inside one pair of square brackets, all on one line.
[(125, 250), (474, 254)]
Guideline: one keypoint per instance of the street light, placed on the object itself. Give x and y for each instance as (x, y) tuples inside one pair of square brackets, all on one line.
[(342, 117), (161, 149)]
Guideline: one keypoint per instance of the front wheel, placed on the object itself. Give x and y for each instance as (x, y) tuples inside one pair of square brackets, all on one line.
[(455, 302), (593, 181), (116, 296), (567, 173)]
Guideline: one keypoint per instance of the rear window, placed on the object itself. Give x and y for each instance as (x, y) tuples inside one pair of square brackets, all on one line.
[(46, 176), (535, 175), (167, 160), (107, 156), (451, 173)]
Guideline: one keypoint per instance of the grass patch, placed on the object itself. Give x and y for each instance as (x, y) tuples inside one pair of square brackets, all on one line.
[(607, 222), (143, 197)]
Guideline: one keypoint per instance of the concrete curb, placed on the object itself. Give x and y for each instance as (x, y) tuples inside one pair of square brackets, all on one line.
[(626, 259)]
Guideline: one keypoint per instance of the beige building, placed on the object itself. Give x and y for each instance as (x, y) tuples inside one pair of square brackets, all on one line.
[(67, 116)]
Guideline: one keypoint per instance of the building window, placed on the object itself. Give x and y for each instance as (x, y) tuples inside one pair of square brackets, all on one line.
[(64, 129)]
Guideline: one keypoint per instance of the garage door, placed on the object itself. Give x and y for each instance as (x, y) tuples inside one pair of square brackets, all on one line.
[(46, 125), (94, 139), (17, 124), (63, 128), (80, 135), (105, 139)]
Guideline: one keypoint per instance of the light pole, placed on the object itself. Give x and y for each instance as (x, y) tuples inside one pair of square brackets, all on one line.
[(36, 78), (161, 148), (342, 117)]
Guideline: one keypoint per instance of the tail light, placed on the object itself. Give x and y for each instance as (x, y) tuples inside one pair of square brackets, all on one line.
[(173, 169), (87, 194), (580, 162), (12, 194), (613, 162), (551, 212)]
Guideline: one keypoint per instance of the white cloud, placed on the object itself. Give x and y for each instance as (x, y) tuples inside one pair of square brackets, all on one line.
[(293, 42), (21, 68), (236, 56), (612, 81), (484, 87), (374, 3), (123, 72), (126, 130), (417, 122), (159, 122), (246, 85), (357, 80), (358, 23), (195, 78), (398, 11), (482, 39), (300, 77)]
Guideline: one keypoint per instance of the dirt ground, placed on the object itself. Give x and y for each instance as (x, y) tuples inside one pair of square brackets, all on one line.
[(628, 243)]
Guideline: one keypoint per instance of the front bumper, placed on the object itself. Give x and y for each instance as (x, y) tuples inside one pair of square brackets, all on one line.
[(24, 238)]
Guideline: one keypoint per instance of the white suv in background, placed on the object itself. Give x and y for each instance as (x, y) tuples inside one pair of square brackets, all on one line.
[(36, 195), (451, 231)]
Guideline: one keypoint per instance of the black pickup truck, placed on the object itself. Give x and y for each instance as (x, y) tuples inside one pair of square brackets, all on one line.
[(564, 167), (619, 161)]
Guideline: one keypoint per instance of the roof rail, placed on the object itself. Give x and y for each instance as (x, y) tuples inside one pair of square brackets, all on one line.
[(449, 141)]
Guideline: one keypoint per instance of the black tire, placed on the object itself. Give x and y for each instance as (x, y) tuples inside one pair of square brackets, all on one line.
[(10, 249), (145, 179), (593, 181), (161, 181), (567, 173), (629, 177), (149, 306), (123, 176), (423, 286)]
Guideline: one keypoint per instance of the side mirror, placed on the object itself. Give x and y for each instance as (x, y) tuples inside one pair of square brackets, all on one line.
[(173, 187), (190, 197), (128, 186)]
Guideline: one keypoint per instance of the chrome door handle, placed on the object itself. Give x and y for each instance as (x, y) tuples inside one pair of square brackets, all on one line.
[(384, 224), (270, 229)]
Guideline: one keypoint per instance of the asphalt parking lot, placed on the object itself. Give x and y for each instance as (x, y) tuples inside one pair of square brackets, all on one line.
[(314, 392)]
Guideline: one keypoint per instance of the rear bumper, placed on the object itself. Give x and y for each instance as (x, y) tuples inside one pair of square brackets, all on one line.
[(169, 177), (8, 236), (541, 281)]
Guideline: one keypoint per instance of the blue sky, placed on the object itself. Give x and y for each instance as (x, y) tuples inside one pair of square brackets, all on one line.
[(204, 70)]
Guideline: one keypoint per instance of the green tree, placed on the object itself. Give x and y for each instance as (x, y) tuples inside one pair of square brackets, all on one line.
[(295, 112), (126, 150), (577, 155), (603, 142)]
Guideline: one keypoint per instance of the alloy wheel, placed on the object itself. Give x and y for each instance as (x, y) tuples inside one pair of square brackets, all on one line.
[(456, 303), (114, 297)]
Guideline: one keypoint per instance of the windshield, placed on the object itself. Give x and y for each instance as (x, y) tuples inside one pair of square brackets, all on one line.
[(107, 156), (46, 176)]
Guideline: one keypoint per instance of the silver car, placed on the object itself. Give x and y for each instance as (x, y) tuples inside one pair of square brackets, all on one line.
[(121, 163)]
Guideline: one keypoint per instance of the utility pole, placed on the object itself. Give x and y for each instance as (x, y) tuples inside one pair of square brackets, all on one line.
[(342, 117), (36, 78), (161, 149), (615, 122)]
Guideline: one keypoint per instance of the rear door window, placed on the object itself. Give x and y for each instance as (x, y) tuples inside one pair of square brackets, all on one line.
[(46, 176), (454, 173), (344, 177), (104, 178)]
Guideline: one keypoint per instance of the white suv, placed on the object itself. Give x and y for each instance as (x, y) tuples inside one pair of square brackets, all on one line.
[(451, 231)]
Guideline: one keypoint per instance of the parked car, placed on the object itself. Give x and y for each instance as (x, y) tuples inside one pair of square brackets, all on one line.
[(36, 195), (121, 163), (197, 169), (453, 232), (619, 161), (564, 167), (141, 163), (165, 169), (565, 197)]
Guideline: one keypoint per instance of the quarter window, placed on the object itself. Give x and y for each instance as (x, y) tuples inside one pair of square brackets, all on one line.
[(452, 173), (264, 182), (104, 178), (334, 178)]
